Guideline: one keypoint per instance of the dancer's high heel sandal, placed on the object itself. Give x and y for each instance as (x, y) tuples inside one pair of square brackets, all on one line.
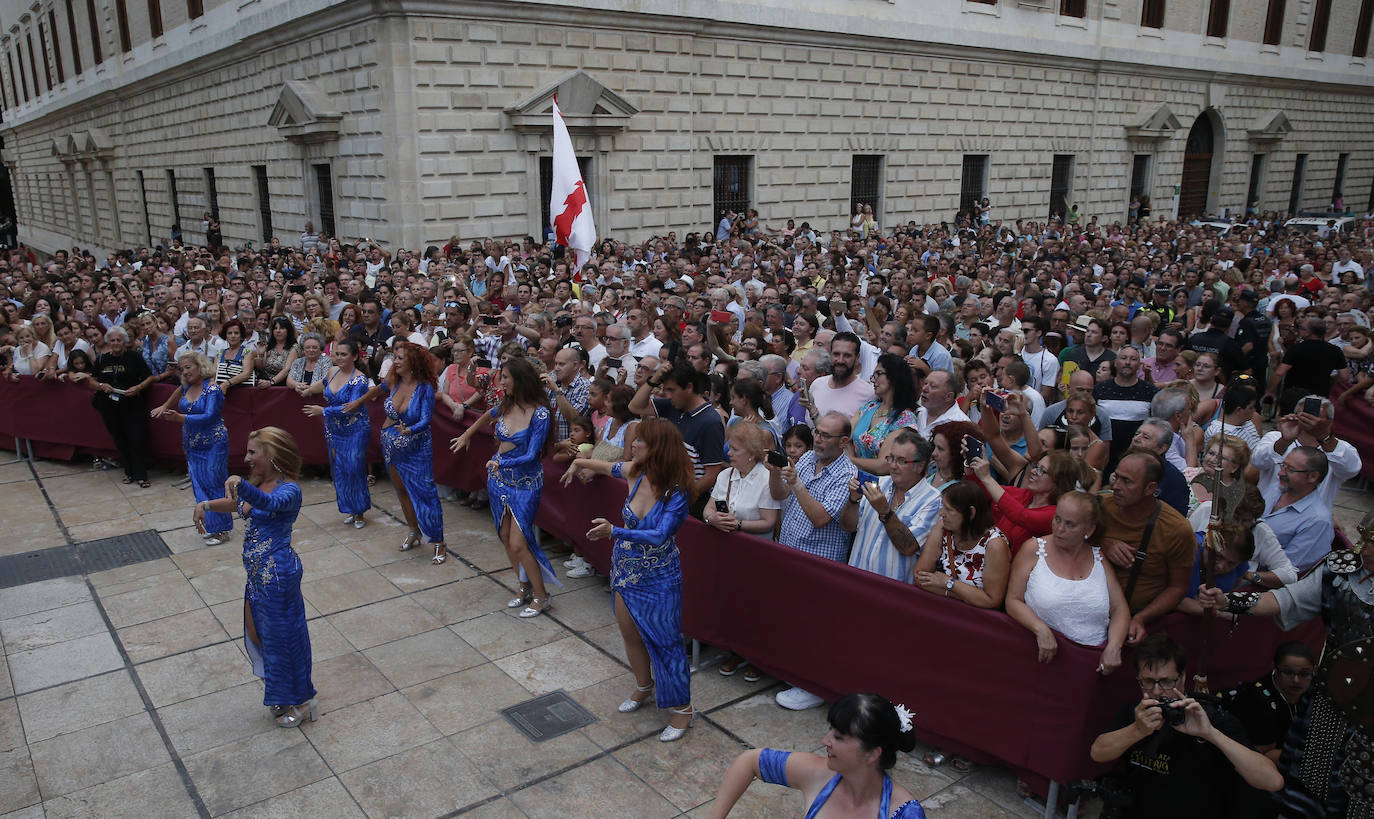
[(537, 606), (412, 540), (440, 554), (523, 597), (631, 704), (359, 521), (671, 734), (297, 714)]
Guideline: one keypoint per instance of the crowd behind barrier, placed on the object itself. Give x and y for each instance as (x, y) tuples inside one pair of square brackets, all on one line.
[(969, 675)]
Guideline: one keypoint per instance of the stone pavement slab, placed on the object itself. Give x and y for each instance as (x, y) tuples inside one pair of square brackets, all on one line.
[(137, 700)]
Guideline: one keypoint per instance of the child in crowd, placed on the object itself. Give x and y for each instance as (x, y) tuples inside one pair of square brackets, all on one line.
[(580, 441)]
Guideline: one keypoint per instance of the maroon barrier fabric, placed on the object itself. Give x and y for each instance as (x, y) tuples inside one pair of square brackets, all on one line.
[(1355, 423), (970, 676)]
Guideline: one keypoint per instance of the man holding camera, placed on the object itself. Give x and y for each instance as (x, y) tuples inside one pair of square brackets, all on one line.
[(1181, 758)]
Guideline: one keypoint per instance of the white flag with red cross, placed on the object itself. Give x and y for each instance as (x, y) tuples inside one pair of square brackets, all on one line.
[(569, 208)]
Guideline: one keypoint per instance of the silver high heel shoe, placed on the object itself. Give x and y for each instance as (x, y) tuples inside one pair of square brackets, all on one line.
[(522, 597), (537, 606), (671, 734), (630, 705), (440, 554), (348, 518), (412, 540), (297, 714), (359, 521)]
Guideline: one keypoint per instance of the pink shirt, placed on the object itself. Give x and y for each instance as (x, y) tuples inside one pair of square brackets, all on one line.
[(847, 400)]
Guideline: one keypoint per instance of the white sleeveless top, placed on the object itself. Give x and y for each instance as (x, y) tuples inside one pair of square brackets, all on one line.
[(1078, 609)]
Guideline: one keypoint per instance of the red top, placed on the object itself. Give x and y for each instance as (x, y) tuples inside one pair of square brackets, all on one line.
[(1016, 521)]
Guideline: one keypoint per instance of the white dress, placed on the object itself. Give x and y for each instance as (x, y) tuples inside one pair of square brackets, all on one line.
[(1081, 610)]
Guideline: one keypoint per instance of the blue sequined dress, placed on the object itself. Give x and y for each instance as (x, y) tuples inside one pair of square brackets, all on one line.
[(273, 593), (647, 575), (518, 482), (205, 440), (413, 457), (773, 770), (347, 434)]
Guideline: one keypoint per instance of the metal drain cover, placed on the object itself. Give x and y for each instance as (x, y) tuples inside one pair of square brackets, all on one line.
[(548, 716), (42, 564), (83, 558), (122, 550)]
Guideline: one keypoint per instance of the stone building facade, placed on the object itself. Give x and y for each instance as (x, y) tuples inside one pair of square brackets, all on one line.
[(413, 121)]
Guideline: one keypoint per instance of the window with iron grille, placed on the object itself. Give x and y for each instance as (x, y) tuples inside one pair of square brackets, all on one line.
[(94, 22), (126, 43), (33, 65), (47, 66), (1152, 14), (324, 185), (1342, 165), (974, 183), (23, 76), (730, 186), (1061, 184), (1218, 16), (865, 184), (1361, 47), (1295, 192), (1256, 187), (211, 192), (56, 46), (264, 202), (1321, 18), (1073, 8), (1273, 22), (76, 43), (173, 198), (14, 88), (584, 167)]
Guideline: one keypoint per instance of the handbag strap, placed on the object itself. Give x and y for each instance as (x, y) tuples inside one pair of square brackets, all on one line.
[(1141, 551)]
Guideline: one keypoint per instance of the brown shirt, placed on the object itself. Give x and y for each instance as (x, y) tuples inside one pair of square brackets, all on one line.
[(1172, 546)]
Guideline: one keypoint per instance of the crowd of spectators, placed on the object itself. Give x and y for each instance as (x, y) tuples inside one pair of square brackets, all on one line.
[(1041, 417)]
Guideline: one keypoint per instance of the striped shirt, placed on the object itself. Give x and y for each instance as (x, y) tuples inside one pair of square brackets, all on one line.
[(873, 550), (830, 489)]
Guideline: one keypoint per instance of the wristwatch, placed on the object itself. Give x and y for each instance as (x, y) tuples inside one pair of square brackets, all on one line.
[(886, 516), (949, 586)]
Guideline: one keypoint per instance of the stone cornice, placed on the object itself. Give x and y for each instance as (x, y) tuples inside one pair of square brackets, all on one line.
[(275, 27)]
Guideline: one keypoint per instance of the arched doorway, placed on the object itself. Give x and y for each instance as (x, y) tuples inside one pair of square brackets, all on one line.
[(1197, 168)]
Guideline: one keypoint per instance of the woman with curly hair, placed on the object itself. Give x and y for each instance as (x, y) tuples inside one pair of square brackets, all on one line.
[(406, 442), (646, 576)]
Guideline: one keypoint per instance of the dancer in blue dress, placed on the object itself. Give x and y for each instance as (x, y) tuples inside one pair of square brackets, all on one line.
[(646, 577), (866, 732), (274, 628), (406, 442), (347, 433), (204, 438), (515, 478)]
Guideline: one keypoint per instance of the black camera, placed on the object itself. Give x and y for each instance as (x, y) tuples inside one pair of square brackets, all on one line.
[(563, 321), (1172, 716)]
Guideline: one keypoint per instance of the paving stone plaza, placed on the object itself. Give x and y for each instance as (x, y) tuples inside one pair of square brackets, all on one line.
[(127, 692)]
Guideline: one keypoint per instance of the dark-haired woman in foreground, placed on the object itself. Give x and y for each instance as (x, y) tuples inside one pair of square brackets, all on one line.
[(866, 732), (646, 577)]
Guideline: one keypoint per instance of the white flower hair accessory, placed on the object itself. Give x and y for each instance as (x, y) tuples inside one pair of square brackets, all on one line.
[(904, 717)]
